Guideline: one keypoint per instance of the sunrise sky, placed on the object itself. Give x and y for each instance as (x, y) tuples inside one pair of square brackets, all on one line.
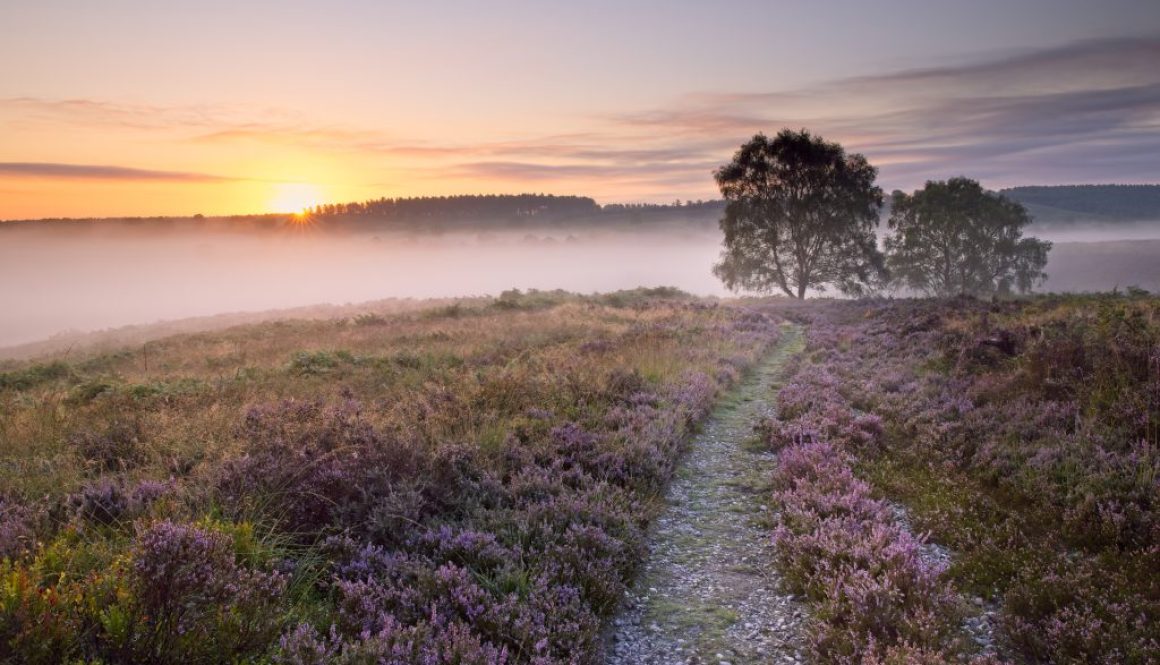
[(151, 108)]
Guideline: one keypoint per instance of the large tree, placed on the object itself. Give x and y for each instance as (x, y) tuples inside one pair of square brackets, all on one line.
[(800, 213), (953, 237)]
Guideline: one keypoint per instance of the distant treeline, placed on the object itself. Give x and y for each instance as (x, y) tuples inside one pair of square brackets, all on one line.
[(518, 206), (514, 209), (426, 213), (1073, 203)]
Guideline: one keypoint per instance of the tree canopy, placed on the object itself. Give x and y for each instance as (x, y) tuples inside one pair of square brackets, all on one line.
[(953, 237), (800, 213)]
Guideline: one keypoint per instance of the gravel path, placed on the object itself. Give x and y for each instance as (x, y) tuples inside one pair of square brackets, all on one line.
[(710, 591)]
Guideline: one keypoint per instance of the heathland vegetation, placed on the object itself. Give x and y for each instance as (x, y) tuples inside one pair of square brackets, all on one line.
[(1020, 437), (465, 484), (472, 483)]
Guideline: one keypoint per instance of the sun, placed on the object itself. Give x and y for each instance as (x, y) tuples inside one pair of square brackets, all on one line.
[(294, 197)]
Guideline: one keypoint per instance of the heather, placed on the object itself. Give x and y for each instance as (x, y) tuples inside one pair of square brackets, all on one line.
[(1021, 436), (876, 597), (462, 484), (953, 480)]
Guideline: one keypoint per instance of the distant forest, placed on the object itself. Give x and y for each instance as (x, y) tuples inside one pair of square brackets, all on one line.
[(511, 207), (1082, 203), (509, 210), (433, 213)]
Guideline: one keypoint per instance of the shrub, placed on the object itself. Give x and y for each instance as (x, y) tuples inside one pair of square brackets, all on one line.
[(115, 448), (35, 375), (872, 589), (180, 596)]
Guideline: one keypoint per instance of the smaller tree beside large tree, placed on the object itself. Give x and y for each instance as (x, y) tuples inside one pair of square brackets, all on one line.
[(953, 237), (800, 213)]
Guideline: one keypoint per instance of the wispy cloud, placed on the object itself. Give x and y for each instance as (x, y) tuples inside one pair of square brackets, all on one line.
[(1081, 112), (1107, 63), (533, 171), (1087, 111), (101, 172), (145, 117)]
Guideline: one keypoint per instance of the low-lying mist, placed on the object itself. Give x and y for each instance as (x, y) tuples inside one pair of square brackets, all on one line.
[(56, 282), (108, 276)]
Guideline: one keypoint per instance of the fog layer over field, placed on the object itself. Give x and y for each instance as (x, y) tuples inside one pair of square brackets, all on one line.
[(1095, 232), (108, 276), (86, 281)]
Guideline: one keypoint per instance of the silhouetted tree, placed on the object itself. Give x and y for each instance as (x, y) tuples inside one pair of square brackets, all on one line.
[(952, 237), (800, 213)]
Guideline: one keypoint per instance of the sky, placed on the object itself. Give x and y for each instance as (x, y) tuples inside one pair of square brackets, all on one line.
[(141, 108)]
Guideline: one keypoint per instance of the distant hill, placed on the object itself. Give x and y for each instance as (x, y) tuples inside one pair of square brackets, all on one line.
[(1087, 203)]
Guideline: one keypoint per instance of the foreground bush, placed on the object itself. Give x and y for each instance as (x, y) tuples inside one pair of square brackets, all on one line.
[(180, 595)]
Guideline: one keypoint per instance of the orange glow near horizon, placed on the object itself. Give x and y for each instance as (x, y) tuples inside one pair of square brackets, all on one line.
[(295, 198)]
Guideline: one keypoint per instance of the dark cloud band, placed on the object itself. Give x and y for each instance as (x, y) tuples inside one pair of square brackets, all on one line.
[(101, 172)]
